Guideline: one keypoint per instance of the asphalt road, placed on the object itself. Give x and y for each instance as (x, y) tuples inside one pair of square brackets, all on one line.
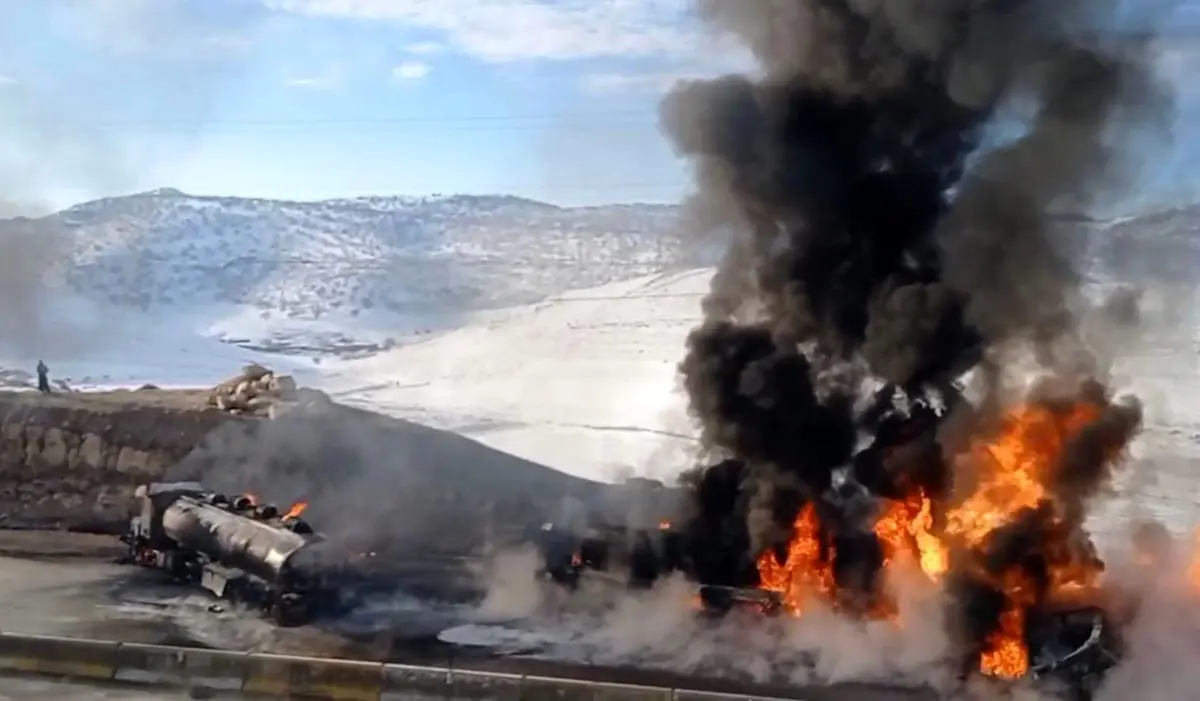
[(22, 689), (94, 599)]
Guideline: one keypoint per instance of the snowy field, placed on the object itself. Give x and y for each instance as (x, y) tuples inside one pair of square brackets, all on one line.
[(92, 346), (585, 382)]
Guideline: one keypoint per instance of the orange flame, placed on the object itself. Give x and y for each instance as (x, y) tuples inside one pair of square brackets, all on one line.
[(295, 511), (1005, 653), (804, 574), (1013, 470), (905, 531), (1193, 569)]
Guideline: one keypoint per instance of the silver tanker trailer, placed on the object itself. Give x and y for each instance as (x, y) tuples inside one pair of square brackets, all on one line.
[(236, 549)]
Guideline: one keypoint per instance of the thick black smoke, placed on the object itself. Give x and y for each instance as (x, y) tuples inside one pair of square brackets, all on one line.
[(876, 232)]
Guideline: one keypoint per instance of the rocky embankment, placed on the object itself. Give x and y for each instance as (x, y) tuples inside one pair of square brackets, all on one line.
[(71, 460)]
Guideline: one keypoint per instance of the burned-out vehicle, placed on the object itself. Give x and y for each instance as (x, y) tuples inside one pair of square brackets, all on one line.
[(1074, 649), (1071, 646), (633, 557), (235, 548), (625, 536)]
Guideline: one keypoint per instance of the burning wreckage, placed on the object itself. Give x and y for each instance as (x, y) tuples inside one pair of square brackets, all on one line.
[(876, 232), (246, 552), (1005, 553)]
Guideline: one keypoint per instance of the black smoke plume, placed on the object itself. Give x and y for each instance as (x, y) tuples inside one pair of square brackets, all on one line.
[(880, 231)]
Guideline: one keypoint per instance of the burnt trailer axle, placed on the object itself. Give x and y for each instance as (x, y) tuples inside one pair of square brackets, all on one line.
[(235, 549), (635, 557)]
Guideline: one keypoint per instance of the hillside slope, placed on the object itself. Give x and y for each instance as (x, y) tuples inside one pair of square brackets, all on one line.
[(371, 476), (72, 460), (100, 346), (584, 382), (587, 383), (1162, 245), (349, 274), (307, 260)]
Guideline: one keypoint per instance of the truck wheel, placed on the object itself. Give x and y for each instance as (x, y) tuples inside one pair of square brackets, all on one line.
[(643, 562), (288, 611)]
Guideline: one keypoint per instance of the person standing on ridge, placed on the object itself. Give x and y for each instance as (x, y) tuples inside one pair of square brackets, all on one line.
[(43, 375)]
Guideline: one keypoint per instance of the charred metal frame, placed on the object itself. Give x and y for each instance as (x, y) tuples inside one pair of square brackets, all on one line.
[(637, 557), (235, 549), (1071, 650)]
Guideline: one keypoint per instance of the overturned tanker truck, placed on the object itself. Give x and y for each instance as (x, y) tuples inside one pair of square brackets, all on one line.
[(241, 551)]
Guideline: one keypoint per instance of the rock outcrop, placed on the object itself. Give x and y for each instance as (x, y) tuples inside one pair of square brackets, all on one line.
[(72, 460), (255, 391)]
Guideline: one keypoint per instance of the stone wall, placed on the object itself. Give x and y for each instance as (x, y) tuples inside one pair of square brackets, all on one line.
[(71, 460)]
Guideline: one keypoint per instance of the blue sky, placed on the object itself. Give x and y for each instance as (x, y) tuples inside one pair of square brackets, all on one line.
[(307, 99)]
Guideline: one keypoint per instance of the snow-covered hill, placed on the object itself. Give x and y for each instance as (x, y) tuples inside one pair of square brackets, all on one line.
[(587, 383), (1158, 245), (93, 345), (584, 382), (407, 263), (350, 274)]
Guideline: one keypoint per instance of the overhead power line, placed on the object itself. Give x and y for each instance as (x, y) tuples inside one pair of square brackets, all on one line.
[(403, 118), (495, 122)]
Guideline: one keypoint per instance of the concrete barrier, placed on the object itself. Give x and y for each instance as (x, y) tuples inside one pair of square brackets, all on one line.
[(551, 689), (686, 695), (64, 657), (294, 678), (313, 678), (160, 665), (486, 686), (413, 683)]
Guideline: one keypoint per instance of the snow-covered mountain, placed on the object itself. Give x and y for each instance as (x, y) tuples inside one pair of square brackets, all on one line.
[(349, 274), (1159, 245), (587, 383), (306, 261)]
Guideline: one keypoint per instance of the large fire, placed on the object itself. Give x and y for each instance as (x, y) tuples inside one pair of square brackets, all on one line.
[(1010, 471)]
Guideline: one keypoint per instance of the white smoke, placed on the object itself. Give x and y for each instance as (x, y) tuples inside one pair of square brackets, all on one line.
[(660, 629)]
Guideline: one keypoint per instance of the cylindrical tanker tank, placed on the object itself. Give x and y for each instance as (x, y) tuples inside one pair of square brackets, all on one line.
[(235, 541)]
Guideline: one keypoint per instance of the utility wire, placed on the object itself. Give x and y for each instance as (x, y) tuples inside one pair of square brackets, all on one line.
[(496, 122)]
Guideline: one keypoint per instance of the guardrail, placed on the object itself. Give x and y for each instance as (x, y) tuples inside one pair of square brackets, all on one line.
[(291, 677)]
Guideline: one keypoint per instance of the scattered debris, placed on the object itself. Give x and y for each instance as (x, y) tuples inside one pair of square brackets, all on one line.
[(255, 391)]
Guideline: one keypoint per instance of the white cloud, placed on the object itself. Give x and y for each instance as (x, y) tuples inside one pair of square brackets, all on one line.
[(6, 80), (326, 82), (170, 29), (412, 71), (1178, 63), (425, 48), (506, 30)]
